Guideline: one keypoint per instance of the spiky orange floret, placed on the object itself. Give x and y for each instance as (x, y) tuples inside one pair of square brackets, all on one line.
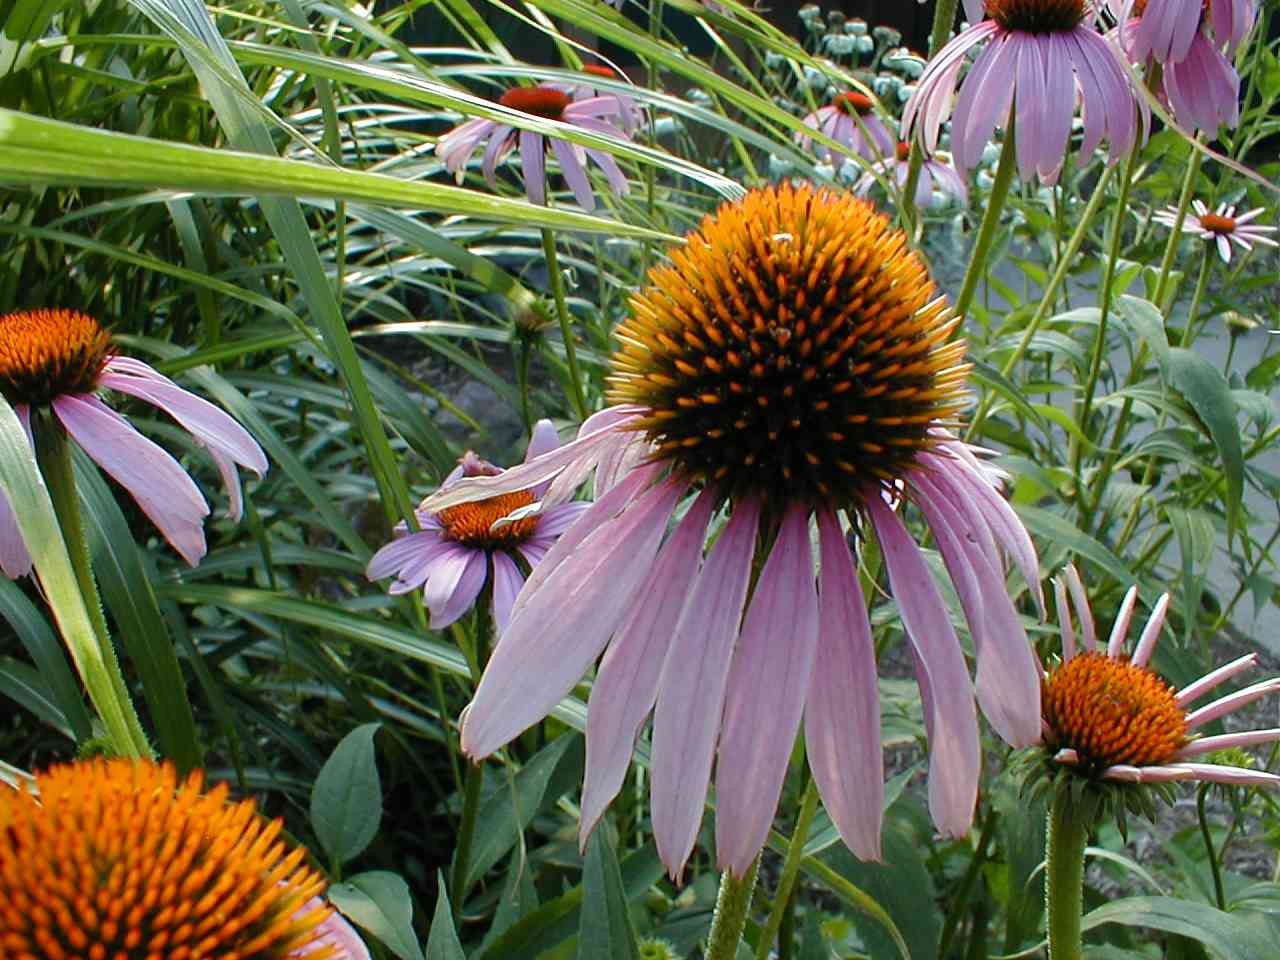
[(471, 524), (1112, 712), (1216, 223), (1037, 16), (794, 348), (852, 102), (117, 860), (48, 353), (539, 101)]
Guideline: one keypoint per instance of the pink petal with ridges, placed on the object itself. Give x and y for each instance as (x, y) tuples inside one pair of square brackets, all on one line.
[(456, 579), (1153, 774), (1120, 629), (1231, 702), (842, 712), (575, 175), (626, 684), (543, 438), (507, 581), (1150, 633), (562, 627), (533, 166), (1232, 776), (955, 758), (1194, 691), (686, 721), (764, 700), (1065, 627), (168, 497), (1030, 104), (1228, 741), (1088, 637), (400, 553)]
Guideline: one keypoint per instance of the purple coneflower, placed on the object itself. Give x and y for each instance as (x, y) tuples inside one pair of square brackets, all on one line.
[(935, 173), (1040, 56), (791, 364), (1222, 226), (1166, 29), (629, 112), (450, 556), (1109, 717), (550, 102), (58, 360), (849, 119)]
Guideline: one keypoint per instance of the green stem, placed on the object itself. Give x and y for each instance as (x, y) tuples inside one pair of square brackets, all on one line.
[(54, 454), (1202, 281), (965, 890), (732, 905), (466, 834), (990, 221), (566, 322), (1214, 867), (790, 871), (1175, 232), (1064, 877)]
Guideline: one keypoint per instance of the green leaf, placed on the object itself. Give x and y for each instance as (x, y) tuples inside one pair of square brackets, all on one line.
[(47, 654), (1229, 935), (442, 941), (1053, 528), (1147, 321), (380, 902), (605, 929), (1206, 389), (24, 686), (1196, 537), (346, 801)]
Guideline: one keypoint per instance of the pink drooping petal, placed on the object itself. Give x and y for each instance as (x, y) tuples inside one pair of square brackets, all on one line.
[(556, 520), (626, 685), (686, 720), (500, 144), (168, 497), (1166, 30), (984, 100), (1227, 741), (574, 173), (1232, 20), (525, 476), (1120, 629), (842, 712), (1150, 633), (456, 147), (401, 554), (1194, 691), (533, 166), (1031, 106), (456, 579), (955, 758), (507, 581), (15, 560), (1232, 776), (564, 625), (1060, 100), (931, 103), (612, 172), (618, 463), (764, 701), (1231, 702)]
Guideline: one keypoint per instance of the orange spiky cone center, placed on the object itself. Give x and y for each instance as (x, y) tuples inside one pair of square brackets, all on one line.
[(1037, 16), (471, 524), (118, 860), (852, 103), (1112, 712), (793, 349), (47, 353), (1216, 223), (538, 101)]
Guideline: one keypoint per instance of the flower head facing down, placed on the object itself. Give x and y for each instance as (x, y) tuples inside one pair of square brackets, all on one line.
[(938, 182), (459, 549), (1040, 57), (60, 360), (850, 120), (630, 113), (1165, 30), (548, 101), (122, 859), (790, 364), (1221, 227), (1109, 717)]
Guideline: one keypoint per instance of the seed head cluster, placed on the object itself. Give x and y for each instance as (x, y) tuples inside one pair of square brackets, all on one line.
[(793, 349), (471, 524), (1112, 712), (1037, 16), (119, 860), (47, 353)]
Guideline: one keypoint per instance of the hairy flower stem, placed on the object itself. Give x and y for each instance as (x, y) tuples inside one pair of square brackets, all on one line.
[(1214, 867), (990, 220), (54, 453), (944, 18), (790, 871), (732, 905), (1175, 234), (566, 322), (482, 634), (1064, 877)]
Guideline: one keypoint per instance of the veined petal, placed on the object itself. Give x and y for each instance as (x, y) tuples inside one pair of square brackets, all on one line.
[(168, 497), (1194, 691), (1231, 702), (764, 700), (1065, 627), (686, 721), (533, 166), (556, 635), (626, 685), (574, 173), (842, 712), (1228, 741), (1120, 629), (1150, 633), (400, 553), (456, 579), (507, 581), (954, 752)]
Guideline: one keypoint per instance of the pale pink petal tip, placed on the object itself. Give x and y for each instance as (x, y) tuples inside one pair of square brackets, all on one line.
[(333, 932)]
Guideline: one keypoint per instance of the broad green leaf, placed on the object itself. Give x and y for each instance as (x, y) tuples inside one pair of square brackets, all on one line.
[(605, 929), (442, 941), (1147, 321), (1206, 389), (346, 801), (1228, 935), (380, 902)]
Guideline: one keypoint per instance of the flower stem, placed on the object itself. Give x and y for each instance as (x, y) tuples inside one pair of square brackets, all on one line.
[(1175, 232), (732, 905), (566, 322), (466, 834), (990, 220), (1064, 877), (944, 18), (790, 871), (1214, 867), (54, 453)]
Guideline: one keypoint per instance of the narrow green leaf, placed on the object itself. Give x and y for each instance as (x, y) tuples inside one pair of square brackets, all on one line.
[(442, 941), (605, 929), (24, 686), (346, 801), (380, 902), (1229, 935), (1055, 529), (1206, 389)]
